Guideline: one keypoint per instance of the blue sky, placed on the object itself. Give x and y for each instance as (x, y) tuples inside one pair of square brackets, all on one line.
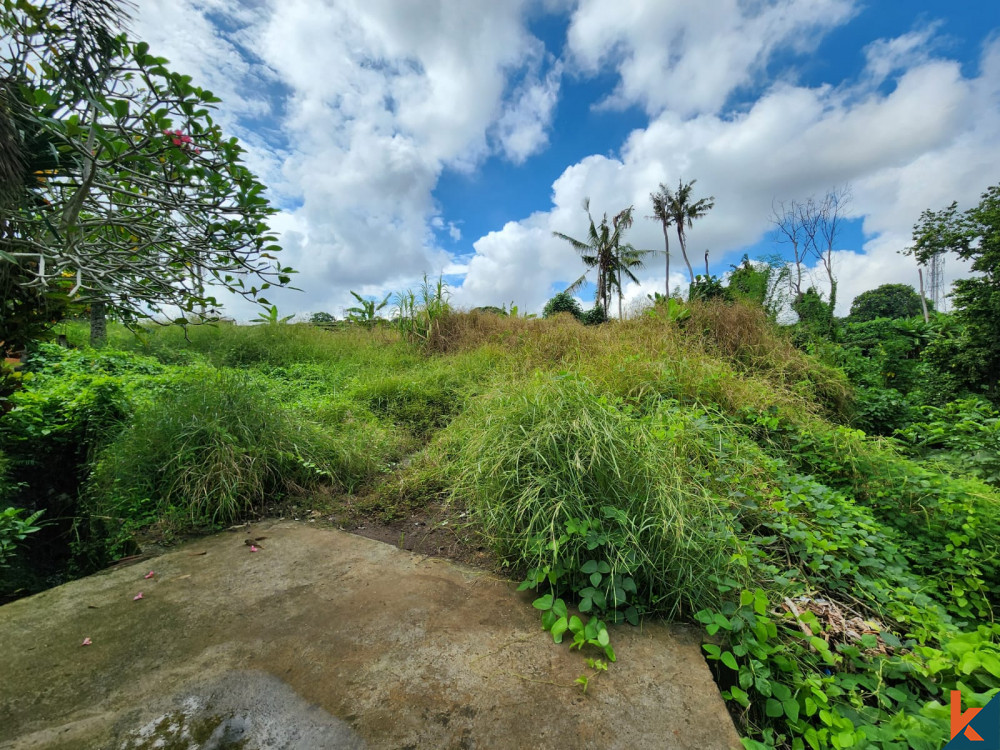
[(402, 137)]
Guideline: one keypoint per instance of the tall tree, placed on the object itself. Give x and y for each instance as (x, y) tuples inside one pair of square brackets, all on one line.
[(605, 252), (684, 210), (146, 206), (812, 228), (887, 301), (662, 214), (973, 235), (830, 220), (627, 257)]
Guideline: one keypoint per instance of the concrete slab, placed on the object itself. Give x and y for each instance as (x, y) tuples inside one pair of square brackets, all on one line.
[(324, 639)]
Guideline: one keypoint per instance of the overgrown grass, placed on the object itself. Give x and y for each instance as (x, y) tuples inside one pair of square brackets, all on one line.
[(215, 447), (694, 469), (557, 454)]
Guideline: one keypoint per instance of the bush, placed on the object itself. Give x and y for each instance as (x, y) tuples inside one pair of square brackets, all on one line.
[(14, 529), (594, 316), (707, 288), (74, 402), (562, 303), (962, 438)]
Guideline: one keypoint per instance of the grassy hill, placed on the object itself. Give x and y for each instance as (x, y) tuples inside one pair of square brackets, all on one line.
[(702, 471)]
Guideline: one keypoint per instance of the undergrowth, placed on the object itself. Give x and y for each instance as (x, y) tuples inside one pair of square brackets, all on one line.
[(689, 464)]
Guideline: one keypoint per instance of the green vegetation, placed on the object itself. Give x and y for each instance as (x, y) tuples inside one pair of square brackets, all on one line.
[(123, 195), (822, 498), (888, 301), (689, 464)]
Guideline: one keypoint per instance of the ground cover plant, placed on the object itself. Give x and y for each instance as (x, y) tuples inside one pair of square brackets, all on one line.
[(695, 467)]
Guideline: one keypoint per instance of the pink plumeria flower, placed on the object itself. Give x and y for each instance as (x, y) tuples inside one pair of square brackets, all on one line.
[(149, 575), (86, 642), (253, 548), (137, 597)]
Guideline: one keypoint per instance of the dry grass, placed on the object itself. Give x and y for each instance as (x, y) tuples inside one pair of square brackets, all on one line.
[(729, 355)]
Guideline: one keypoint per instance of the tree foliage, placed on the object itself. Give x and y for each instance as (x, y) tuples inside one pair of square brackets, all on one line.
[(131, 195), (680, 210), (761, 282), (605, 251), (560, 303), (973, 235), (887, 301)]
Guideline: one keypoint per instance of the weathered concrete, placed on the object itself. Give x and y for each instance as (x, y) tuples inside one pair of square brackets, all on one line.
[(324, 639)]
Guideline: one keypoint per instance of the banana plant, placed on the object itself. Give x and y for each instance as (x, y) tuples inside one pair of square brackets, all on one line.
[(271, 317), (367, 313)]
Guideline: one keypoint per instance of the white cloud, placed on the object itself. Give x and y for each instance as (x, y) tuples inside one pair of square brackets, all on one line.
[(690, 57), (523, 127), (887, 56), (931, 140), (352, 110)]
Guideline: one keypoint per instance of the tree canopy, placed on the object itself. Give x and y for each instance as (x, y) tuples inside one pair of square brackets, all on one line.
[(605, 251), (887, 301), (972, 235), (130, 194)]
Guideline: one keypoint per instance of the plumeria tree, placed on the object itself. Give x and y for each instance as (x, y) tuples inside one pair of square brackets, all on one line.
[(135, 200)]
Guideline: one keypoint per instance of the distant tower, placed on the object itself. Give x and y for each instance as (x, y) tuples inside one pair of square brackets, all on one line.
[(937, 290)]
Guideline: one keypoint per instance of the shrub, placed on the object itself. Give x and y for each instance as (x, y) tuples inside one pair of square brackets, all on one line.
[(595, 316), (14, 529), (962, 437), (563, 303)]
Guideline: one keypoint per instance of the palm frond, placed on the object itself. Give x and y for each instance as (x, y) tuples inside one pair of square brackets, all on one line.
[(576, 284)]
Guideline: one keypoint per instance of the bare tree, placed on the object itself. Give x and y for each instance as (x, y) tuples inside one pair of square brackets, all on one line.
[(788, 228), (811, 228), (830, 219)]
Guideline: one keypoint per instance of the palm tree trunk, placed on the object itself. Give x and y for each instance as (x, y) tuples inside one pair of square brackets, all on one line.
[(666, 248), (680, 236), (620, 316)]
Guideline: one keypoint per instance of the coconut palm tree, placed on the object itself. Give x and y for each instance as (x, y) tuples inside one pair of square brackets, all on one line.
[(626, 257), (661, 213), (683, 212), (604, 251)]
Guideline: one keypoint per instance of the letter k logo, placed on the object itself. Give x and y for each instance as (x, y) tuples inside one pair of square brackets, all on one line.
[(960, 720)]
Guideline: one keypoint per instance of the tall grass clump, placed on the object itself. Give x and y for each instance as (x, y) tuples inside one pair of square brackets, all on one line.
[(417, 313), (742, 333), (213, 447), (557, 475)]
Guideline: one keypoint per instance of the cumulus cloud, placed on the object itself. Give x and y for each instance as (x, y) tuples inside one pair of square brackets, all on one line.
[(690, 57), (928, 141), (351, 111), (523, 127)]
